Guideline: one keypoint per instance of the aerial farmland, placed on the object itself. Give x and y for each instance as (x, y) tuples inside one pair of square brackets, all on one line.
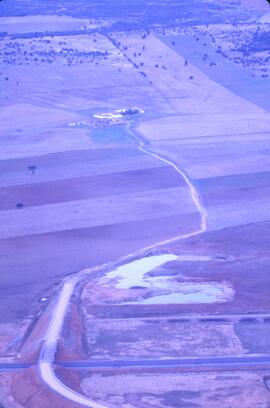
[(134, 204)]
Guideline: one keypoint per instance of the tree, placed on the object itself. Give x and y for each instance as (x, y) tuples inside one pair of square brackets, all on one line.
[(19, 205), (32, 168)]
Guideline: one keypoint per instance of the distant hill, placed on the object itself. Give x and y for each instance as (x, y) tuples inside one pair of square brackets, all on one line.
[(126, 14)]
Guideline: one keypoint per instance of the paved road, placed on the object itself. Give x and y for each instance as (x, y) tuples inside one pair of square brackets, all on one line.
[(204, 317), (209, 362)]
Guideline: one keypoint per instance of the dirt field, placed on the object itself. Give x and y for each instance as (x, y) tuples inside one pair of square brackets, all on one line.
[(180, 390)]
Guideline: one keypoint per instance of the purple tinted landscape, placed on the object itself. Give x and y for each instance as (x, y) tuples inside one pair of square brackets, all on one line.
[(134, 204)]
